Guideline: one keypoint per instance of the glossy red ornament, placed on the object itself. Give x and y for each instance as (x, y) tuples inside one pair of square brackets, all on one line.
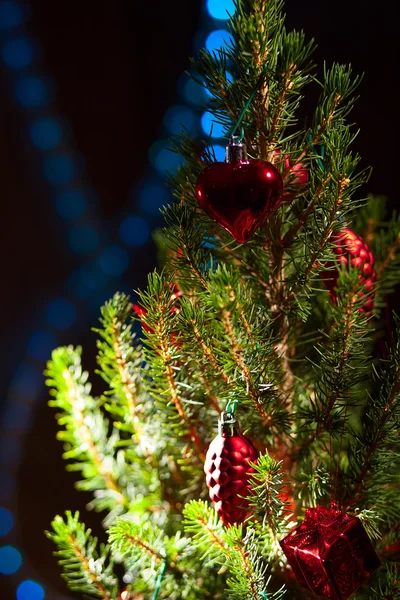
[(351, 250), (239, 194), (227, 469), (330, 553)]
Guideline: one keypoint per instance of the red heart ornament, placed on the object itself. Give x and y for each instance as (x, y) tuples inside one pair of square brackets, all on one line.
[(239, 194)]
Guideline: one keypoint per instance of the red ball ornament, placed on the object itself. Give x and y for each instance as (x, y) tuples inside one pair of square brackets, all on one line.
[(239, 194), (227, 469), (330, 553), (350, 249)]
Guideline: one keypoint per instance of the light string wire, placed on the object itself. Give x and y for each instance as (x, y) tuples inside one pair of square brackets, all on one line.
[(246, 106)]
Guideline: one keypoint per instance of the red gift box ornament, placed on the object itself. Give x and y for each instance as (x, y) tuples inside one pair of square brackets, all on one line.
[(330, 553), (227, 469), (240, 193)]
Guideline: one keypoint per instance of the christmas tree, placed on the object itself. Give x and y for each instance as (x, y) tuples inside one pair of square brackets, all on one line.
[(245, 443)]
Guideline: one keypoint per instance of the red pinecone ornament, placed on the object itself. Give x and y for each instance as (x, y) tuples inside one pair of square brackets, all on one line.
[(351, 250), (227, 469), (239, 194)]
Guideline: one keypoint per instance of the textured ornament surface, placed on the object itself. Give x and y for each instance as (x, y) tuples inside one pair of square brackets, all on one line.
[(227, 469), (330, 553), (239, 196), (351, 250)]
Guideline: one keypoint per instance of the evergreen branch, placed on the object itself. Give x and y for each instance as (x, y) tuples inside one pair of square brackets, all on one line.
[(120, 360), (237, 353), (372, 453), (86, 431), (87, 569), (133, 540), (162, 353), (267, 492), (391, 254)]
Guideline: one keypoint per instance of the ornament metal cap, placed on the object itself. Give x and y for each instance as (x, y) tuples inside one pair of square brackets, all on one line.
[(227, 424), (235, 150)]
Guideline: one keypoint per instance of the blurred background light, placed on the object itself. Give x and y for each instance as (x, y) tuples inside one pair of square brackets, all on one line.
[(16, 418), (219, 152), (40, 345), (153, 196), (162, 158), (179, 117), (30, 590), (71, 204), (17, 53), (61, 314), (6, 521), (59, 169), (26, 381), (46, 133), (210, 126), (83, 239), (217, 39), (134, 231), (220, 9), (192, 91), (32, 92), (114, 261), (10, 560), (8, 485), (10, 14)]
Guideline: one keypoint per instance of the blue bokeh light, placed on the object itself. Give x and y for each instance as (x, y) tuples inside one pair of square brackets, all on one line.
[(193, 92), (179, 117), (210, 126), (16, 418), (6, 521), (219, 152), (10, 14), (83, 239), (220, 9), (26, 381), (71, 204), (17, 53), (10, 451), (30, 590), (113, 261), (152, 197), (61, 314), (217, 39), (162, 158), (32, 92), (10, 560), (40, 345), (59, 169), (134, 231), (46, 133)]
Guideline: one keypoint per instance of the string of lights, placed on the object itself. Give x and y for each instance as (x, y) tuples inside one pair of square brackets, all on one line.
[(104, 251)]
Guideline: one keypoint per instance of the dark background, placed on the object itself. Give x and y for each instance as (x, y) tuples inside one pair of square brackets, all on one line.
[(116, 66)]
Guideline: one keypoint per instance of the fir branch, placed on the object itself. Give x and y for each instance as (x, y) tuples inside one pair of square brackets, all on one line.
[(372, 454), (120, 361), (87, 568), (162, 353), (85, 432), (267, 492)]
